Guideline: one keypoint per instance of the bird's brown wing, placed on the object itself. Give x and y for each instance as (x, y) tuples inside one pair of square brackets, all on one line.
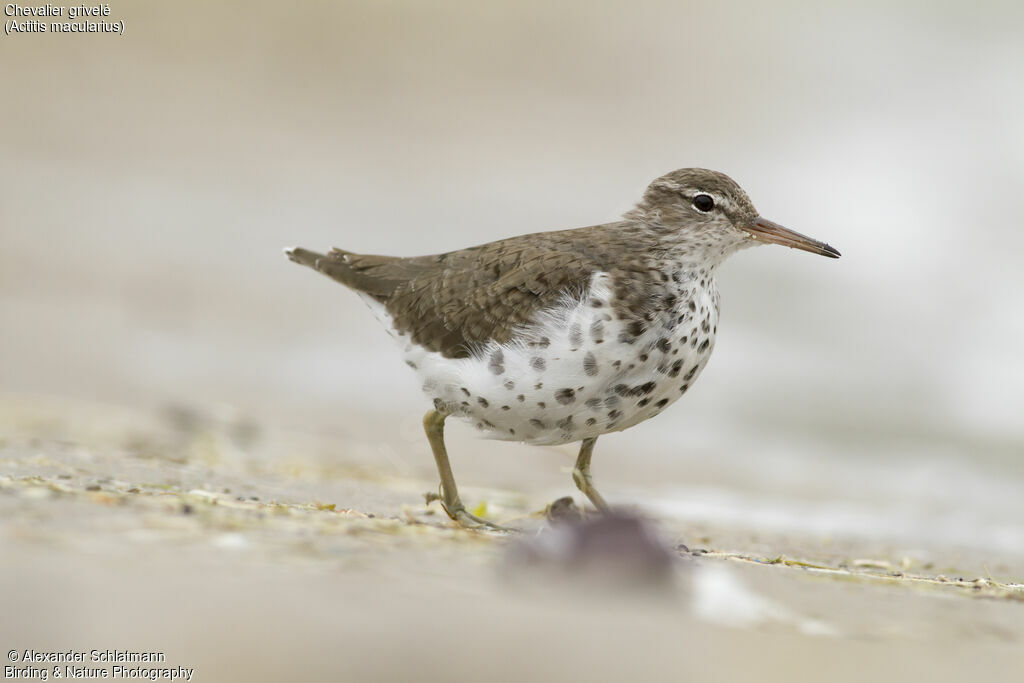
[(451, 302)]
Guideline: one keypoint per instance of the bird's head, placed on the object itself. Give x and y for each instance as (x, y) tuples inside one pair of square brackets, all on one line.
[(707, 210)]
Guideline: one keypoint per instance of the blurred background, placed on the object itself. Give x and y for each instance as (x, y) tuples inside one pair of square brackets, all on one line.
[(149, 181)]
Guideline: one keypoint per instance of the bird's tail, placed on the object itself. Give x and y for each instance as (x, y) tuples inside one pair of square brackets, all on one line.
[(334, 265), (304, 257), (377, 276)]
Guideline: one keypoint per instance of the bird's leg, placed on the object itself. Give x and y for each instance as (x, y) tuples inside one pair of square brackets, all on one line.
[(433, 424), (581, 475)]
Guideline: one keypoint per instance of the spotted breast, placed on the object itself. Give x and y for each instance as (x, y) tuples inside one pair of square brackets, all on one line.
[(581, 368)]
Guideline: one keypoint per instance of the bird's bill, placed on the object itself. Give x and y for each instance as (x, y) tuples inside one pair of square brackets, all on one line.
[(767, 231)]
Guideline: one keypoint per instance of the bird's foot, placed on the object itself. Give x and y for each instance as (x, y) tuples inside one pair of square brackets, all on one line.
[(471, 521), (458, 512)]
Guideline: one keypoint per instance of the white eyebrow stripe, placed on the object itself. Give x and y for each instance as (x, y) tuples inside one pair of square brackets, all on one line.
[(720, 199)]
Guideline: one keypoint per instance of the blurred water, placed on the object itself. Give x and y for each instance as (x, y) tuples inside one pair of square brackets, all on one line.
[(148, 183)]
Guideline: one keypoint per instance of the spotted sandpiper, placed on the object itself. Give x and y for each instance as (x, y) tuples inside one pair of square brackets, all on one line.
[(562, 336)]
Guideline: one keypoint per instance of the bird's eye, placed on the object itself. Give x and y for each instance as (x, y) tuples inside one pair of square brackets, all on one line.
[(703, 203)]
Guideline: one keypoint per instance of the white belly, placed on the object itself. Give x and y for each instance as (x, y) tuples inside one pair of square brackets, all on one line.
[(577, 372)]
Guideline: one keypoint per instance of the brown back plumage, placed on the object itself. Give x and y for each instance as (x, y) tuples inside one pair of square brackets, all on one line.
[(449, 302)]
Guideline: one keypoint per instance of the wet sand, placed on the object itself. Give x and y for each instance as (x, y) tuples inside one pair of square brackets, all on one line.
[(249, 553)]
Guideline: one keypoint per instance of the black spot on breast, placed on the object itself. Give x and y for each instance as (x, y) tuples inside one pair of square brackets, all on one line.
[(676, 369), (597, 303), (593, 403), (510, 385), (411, 364), (497, 362), (691, 373), (621, 389), (663, 345), (576, 335), (538, 385), (597, 331), (683, 388), (538, 363), (692, 305), (541, 343), (614, 414), (662, 403), (704, 345), (590, 364), (642, 402), (483, 401), (520, 398), (565, 424), (591, 422), (542, 404), (506, 408), (643, 357), (565, 396), (538, 423), (465, 391), (639, 390)]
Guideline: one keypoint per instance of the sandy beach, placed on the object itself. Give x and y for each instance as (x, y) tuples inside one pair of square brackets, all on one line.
[(125, 529)]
